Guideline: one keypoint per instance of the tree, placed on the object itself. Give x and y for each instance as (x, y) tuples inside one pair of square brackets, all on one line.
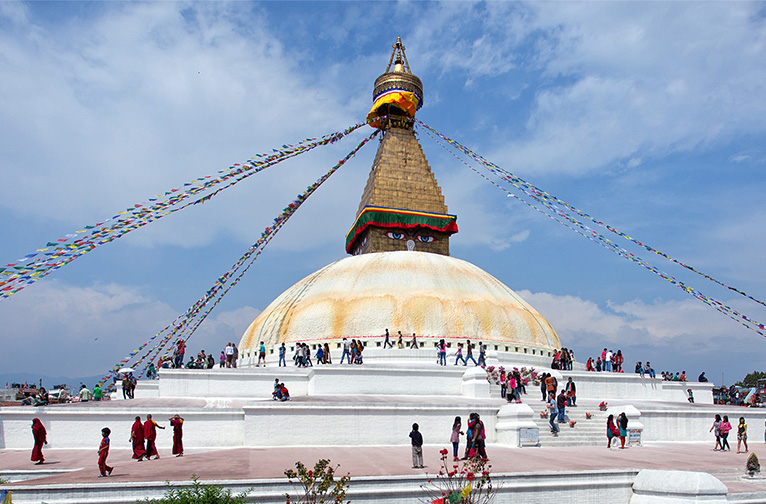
[(751, 380)]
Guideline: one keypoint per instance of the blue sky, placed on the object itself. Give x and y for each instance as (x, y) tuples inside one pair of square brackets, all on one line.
[(648, 115)]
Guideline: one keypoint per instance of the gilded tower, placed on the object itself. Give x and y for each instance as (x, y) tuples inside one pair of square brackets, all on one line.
[(402, 205)]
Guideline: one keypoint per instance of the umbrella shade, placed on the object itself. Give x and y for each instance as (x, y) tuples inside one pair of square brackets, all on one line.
[(126, 370)]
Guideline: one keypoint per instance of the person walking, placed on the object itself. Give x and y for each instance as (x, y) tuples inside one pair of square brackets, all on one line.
[(469, 353), (387, 342), (552, 411), (399, 343), (414, 343), (41, 438), (717, 428), (455, 437), (178, 435), (103, 453), (622, 420), (137, 440), (482, 354), (417, 447), (742, 434), (282, 352), (724, 430), (459, 354), (150, 434)]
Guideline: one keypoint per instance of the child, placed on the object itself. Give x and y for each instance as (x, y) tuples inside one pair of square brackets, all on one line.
[(103, 452), (455, 437), (417, 447), (284, 392)]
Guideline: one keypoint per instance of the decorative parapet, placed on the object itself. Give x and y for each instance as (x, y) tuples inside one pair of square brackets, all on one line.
[(653, 486), (516, 427), (475, 383)]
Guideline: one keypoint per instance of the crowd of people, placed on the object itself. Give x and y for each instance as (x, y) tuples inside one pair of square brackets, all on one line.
[(511, 385), (557, 401), (563, 359), (608, 361)]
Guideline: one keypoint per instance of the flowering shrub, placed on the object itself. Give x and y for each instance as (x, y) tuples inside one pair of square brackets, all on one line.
[(495, 375), (466, 482), (319, 484)]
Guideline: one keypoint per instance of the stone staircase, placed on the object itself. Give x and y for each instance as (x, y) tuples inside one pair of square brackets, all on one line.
[(586, 432)]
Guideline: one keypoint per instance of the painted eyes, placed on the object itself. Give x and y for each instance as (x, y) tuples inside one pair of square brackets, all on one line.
[(402, 236)]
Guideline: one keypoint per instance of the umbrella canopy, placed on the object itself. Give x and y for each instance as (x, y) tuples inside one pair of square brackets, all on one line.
[(126, 370)]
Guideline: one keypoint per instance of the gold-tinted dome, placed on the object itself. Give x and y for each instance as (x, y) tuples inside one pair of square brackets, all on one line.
[(431, 295)]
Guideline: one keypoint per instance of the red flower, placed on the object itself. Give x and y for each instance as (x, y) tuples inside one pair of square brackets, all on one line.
[(470, 477), (311, 474), (443, 451)]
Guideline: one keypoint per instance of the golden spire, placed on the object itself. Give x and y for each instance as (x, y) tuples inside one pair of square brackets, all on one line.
[(402, 206)]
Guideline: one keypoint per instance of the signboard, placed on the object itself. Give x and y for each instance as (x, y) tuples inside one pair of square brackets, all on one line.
[(529, 436), (634, 437)]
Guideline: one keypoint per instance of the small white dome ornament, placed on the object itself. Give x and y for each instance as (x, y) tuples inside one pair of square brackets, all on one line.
[(410, 245)]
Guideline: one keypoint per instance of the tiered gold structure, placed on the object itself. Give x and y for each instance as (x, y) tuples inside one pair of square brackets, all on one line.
[(400, 275)]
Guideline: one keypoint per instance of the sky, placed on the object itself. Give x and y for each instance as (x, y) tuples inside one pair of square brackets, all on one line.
[(649, 116)]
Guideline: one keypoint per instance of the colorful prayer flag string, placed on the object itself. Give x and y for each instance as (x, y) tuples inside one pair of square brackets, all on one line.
[(555, 212), (32, 267), (185, 324)]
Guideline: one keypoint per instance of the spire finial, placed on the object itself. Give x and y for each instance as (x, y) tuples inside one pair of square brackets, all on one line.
[(398, 58)]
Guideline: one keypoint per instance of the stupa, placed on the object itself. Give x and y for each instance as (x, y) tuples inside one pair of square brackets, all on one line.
[(401, 275)]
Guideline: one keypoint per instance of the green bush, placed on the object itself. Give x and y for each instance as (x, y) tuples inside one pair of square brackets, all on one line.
[(198, 494)]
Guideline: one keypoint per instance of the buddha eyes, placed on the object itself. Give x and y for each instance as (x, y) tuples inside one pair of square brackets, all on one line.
[(402, 236)]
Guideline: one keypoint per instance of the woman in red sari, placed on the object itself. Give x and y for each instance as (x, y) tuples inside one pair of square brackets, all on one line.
[(41, 438), (137, 438), (178, 433)]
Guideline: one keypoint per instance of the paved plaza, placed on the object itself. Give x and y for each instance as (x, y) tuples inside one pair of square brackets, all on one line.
[(79, 466)]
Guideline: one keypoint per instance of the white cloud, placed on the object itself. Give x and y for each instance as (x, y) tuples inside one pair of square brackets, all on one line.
[(580, 322), (101, 113), (631, 82), (60, 329)]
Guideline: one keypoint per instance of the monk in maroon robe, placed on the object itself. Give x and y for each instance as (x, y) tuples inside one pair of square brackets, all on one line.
[(150, 433), (41, 438), (178, 434), (137, 438)]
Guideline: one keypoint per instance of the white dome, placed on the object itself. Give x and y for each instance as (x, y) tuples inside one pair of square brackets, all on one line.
[(431, 295)]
